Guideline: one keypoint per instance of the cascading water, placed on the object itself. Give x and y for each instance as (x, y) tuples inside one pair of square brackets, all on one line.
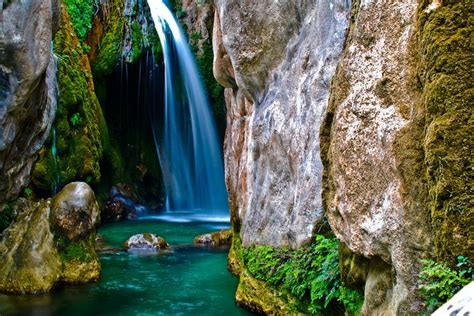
[(188, 150)]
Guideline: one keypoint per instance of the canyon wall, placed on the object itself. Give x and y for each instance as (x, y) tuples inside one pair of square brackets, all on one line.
[(354, 113), (277, 60), (28, 88)]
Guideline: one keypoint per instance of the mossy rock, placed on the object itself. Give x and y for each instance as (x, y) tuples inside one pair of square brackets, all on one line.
[(30, 260), (81, 131), (220, 238), (445, 73), (257, 296), (146, 242), (80, 262)]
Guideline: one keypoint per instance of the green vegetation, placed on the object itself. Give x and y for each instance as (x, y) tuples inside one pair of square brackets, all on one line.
[(80, 126), (445, 81), (6, 216), (82, 250), (75, 119), (310, 273), (81, 13), (439, 282)]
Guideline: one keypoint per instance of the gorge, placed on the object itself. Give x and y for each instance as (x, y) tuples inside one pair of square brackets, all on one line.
[(346, 129)]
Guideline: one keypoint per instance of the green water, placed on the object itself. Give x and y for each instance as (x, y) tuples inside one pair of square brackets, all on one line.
[(187, 281)]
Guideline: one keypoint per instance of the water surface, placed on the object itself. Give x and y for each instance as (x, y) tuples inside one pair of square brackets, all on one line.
[(187, 281)]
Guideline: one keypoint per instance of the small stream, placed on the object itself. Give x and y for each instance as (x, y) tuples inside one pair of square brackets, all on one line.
[(187, 281)]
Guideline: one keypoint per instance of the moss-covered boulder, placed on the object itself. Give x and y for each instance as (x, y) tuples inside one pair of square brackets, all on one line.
[(30, 260), (51, 241), (220, 238)]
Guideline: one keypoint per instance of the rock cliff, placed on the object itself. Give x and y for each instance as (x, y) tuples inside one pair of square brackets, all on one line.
[(355, 113), (28, 88), (283, 55)]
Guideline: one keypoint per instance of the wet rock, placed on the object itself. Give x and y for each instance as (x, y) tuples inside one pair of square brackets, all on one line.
[(146, 241), (75, 212), (113, 211), (30, 259), (220, 238), (28, 88), (256, 296), (51, 241), (123, 204)]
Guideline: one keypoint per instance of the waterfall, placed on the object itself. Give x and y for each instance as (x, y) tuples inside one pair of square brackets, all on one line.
[(187, 143)]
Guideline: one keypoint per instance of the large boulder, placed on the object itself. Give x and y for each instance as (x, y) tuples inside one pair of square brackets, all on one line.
[(30, 259), (42, 248), (28, 88), (75, 212)]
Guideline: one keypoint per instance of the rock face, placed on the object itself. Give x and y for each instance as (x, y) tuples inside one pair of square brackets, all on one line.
[(365, 122), (273, 165), (146, 242), (369, 207), (28, 88), (41, 248)]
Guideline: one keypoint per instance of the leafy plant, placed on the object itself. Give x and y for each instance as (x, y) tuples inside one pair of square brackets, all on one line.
[(439, 282), (28, 193), (81, 13), (309, 273), (75, 119)]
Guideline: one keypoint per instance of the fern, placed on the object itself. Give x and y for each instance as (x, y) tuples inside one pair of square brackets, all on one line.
[(439, 282), (310, 273)]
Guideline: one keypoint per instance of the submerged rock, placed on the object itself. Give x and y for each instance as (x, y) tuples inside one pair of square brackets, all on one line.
[(220, 238), (146, 241), (51, 241)]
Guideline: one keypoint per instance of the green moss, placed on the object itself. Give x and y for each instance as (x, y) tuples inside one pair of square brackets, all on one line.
[(79, 143), (82, 250), (310, 274), (445, 74), (81, 13), (109, 50), (137, 41)]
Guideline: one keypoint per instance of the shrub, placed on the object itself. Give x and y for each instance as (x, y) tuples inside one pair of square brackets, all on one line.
[(309, 273), (439, 282)]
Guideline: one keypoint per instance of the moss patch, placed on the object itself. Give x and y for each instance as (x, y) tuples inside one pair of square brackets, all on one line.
[(445, 73), (80, 126), (307, 279)]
